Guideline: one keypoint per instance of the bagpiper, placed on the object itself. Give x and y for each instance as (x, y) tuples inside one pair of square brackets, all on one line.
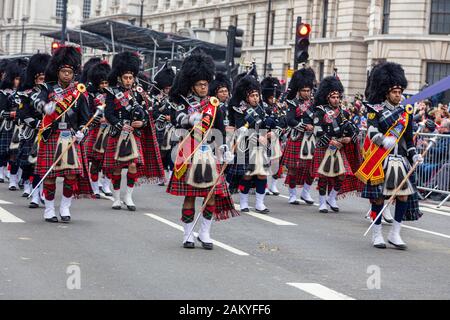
[(131, 142), (31, 120), (9, 127), (389, 151), (63, 103), (220, 88), (252, 163), (196, 169), (95, 143), (271, 92), (299, 152), (164, 114), (336, 155)]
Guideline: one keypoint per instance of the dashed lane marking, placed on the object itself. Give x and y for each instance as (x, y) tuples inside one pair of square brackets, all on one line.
[(6, 216), (320, 291), (267, 218), (215, 242)]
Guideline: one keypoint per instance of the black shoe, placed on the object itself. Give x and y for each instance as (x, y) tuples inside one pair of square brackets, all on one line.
[(380, 246), (12, 188), (265, 211), (245, 210), (97, 195), (399, 246), (131, 208), (296, 202), (117, 208), (65, 219), (307, 201), (161, 184), (189, 245), (53, 220), (2, 180), (25, 195), (324, 211), (206, 245), (108, 194), (335, 209), (33, 205)]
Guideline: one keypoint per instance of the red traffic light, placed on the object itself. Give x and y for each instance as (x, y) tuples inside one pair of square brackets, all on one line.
[(303, 29)]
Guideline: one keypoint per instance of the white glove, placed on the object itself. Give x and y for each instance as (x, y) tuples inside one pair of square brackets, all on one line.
[(50, 107), (418, 158), (223, 148), (389, 142), (242, 131), (79, 135), (228, 157), (194, 118)]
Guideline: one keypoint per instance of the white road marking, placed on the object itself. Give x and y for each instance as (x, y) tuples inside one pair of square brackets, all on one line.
[(5, 202), (300, 200), (6, 216), (434, 206), (267, 218), (427, 231), (435, 211), (215, 242), (320, 291)]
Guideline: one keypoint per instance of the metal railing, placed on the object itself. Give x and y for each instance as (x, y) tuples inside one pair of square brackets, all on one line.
[(433, 175)]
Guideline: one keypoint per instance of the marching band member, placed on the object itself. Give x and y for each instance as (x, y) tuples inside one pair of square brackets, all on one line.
[(65, 113), (95, 143), (252, 165), (31, 119), (9, 129), (196, 169), (299, 152), (336, 156), (164, 114), (389, 151)]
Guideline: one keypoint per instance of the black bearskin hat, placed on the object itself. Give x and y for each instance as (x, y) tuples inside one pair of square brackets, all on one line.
[(86, 67), (385, 77), (327, 86), (14, 69), (66, 56), (164, 77), (198, 66), (98, 72), (303, 78), (36, 67), (124, 62), (270, 87), (220, 81), (143, 80), (244, 87)]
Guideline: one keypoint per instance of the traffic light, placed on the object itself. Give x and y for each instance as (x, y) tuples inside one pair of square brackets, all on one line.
[(55, 46), (234, 46), (302, 32)]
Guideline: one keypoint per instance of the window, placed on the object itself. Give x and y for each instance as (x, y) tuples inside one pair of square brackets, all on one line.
[(174, 27), (289, 25), (251, 29), (272, 27), (187, 24), (161, 27), (325, 18), (12, 4), (2, 8), (440, 17), (86, 9), (234, 20), (217, 23), (436, 72), (386, 13), (321, 70), (59, 8), (7, 42), (201, 23)]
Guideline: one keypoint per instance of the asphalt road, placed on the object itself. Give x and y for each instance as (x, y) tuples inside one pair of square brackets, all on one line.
[(295, 252)]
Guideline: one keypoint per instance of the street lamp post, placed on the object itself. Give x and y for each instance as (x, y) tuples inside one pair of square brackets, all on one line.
[(64, 22), (269, 10), (142, 13), (22, 46)]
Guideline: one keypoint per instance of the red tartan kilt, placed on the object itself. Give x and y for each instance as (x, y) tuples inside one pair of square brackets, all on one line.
[(46, 154), (109, 163), (89, 146), (179, 187), (319, 154)]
